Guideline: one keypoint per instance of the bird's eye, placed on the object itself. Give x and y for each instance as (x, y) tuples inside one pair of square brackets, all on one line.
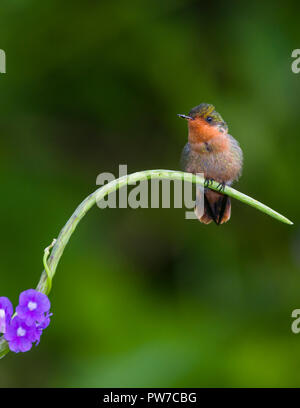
[(209, 119)]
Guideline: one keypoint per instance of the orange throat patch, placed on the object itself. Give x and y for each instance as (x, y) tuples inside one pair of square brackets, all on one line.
[(201, 133)]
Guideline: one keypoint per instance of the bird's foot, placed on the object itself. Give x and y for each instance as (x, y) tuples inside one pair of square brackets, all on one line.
[(208, 181), (221, 186)]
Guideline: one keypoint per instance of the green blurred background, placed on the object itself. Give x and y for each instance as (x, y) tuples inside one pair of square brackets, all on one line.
[(144, 297)]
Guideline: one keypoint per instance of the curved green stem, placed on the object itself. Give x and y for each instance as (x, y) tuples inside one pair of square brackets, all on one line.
[(47, 270), (59, 245)]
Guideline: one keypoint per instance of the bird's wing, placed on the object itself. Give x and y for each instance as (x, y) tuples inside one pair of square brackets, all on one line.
[(185, 157)]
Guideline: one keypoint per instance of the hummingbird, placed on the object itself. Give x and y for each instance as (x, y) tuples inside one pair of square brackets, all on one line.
[(214, 152)]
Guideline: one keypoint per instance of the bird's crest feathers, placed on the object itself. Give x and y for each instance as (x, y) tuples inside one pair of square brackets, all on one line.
[(204, 110)]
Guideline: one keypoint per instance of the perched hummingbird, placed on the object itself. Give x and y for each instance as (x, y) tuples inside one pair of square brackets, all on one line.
[(212, 151)]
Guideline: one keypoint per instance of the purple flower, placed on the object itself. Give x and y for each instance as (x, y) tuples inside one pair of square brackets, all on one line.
[(32, 317), (32, 306), (45, 322), (20, 336), (6, 311), (41, 326)]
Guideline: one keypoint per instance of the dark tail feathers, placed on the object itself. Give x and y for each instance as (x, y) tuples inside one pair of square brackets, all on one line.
[(217, 208)]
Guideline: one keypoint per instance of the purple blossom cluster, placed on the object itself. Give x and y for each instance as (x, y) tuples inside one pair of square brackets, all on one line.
[(26, 326)]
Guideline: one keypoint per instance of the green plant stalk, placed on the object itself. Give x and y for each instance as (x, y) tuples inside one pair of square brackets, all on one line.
[(59, 245)]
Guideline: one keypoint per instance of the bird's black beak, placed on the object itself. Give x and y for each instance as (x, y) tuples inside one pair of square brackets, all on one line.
[(184, 116)]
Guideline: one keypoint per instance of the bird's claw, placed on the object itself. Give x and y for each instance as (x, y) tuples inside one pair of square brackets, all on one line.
[(208, 181), (221, 186)]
